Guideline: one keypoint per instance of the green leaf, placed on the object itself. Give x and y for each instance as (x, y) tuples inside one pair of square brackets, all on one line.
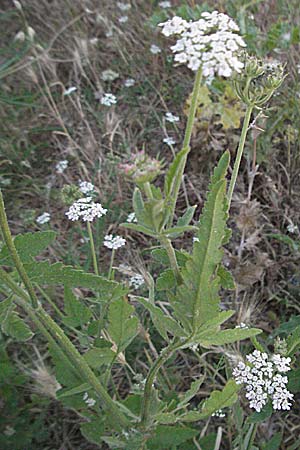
[(161, 321), (294, 381), (167, 437), (139, 229), (228, 336), (160, 255), (187, 216), (226, 279), (12, 325), (274, 443), (5, 305), (28, 245), (166, 280), (123, 326), (97, 357), (84, 387), (188, 395), (263, 415), (217, 400), (293, 342), (93, 430), (175, 231), (138, 205), (173, 170), (65, 372), (59, 274), (197, 298), (77, 313)]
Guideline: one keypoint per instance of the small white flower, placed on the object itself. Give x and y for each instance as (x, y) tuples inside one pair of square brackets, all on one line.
[(61, 166), (70, 90), (123, 19), (218, 413), (86, 187), (109, 75), (242, 325), (292, 228), (165, 4), (136, 281), (108, 99), (155, 49), (94, 41), (171, 118), (129, 82), (169, 141), (113, 242), (89, 400), (9, 431), (131, 218), (43, 218), (196, 239), (123, 6), (85, 209)]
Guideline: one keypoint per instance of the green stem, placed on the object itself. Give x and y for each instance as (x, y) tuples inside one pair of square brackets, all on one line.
[(166, 243), (239, 153), (186, 142), (53, 332), (163, 357), (92, 244), (14, 255), (148, 191), (111, 263)]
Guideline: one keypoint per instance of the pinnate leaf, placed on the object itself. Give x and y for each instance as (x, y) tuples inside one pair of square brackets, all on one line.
[(123, 326)]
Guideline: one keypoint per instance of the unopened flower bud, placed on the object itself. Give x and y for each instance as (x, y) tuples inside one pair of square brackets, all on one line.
[(141, 168)]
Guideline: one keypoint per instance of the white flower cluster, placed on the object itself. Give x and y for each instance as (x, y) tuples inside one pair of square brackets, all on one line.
[(129, 82), (165, 4), (108, 99), (86, 187), (171, 117), (211, 42), (155, 50), (85, 209), (263, 380), (219, 413), (123, 6), (43, 218), (89, 400), (169, 141), (136, 281), (131, 218), (113, 242), (61, 166), (109, 75)]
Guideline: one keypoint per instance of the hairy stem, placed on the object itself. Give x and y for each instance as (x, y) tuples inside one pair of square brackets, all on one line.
[(163, 357), (239, 153), (92, 245), (186, 142), (14, 254), (166, 243)]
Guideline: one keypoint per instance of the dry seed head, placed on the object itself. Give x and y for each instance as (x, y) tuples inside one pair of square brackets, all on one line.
[(44, 382)]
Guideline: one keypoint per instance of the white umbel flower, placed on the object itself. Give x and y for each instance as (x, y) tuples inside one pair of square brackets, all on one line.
[(113, 242), (109, 75), (43, 218), (131, 218), (155, 50), (165, 4), (263, 381), (123, 6), (169, 141), (123, 19), (89, 400), (108, 99), (136, 281), (85, 209), (129, 82), (171, 118), (61, 166), (86, 187), (211, 42)]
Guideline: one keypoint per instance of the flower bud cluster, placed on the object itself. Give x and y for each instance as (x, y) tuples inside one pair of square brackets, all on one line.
[(211, 42), (113, 242), (258, 81), (264, 381), (141, 168)]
